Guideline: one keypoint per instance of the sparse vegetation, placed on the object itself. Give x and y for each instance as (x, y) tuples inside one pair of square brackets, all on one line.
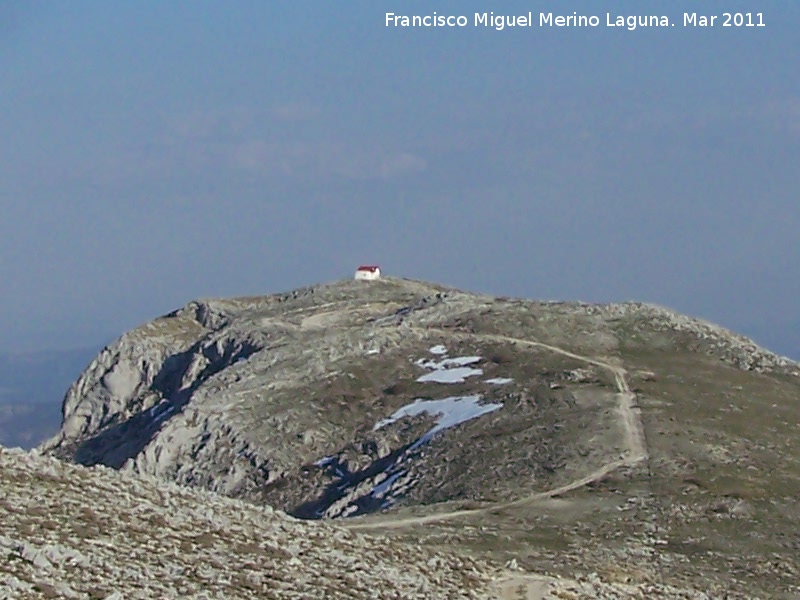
[(703, 504)]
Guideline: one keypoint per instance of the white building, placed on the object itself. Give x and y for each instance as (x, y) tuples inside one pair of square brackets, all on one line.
[(368, 272)]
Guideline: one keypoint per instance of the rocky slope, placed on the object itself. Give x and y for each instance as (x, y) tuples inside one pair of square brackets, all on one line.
[(70, 532), (562, 436), (77, 533)]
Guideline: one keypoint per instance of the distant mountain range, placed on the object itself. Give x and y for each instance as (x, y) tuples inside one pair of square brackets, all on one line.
[(32, 387)]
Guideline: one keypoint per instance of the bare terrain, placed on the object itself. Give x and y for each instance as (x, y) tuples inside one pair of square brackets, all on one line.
[(594, 450), (70, 532)]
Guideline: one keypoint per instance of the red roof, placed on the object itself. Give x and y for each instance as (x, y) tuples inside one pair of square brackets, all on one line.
[(370, 268)]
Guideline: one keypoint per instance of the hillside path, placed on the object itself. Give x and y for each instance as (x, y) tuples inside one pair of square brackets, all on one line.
[(630, 419), (521, 587)]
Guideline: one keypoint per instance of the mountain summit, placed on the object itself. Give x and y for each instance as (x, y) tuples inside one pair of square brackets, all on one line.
[(561, 436)]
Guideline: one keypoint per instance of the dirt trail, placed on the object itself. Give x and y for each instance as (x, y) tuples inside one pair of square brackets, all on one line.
[(630, 419), (522, 587)]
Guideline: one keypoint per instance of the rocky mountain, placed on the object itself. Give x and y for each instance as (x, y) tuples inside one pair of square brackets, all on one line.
[(76, 533), (70, 532), (623, 444)]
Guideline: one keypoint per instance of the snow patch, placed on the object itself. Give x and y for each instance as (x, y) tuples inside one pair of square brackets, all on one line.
[(500, 380), (439, 349), (458, 375), (158, 408), (446, 363), (384, 486), (451, 411), (448, 370), (161, 411), (364, 491)]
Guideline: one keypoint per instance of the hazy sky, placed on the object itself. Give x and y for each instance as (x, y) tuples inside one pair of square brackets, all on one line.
[(153, 152)]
